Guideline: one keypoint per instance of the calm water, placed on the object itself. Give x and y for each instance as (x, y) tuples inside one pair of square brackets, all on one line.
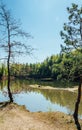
[(38, 99)]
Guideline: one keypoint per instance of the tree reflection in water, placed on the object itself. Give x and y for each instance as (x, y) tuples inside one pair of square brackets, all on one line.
[(64, 98)]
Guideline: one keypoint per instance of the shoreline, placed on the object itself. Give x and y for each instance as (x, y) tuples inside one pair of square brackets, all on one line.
[(25, 120), (74, 89)]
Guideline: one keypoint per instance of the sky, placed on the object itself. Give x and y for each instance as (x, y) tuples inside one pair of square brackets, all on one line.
[(44, 20)]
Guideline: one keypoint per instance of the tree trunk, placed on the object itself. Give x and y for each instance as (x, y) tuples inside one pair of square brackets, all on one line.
[(75, 115), (8, 83), (8, 64)]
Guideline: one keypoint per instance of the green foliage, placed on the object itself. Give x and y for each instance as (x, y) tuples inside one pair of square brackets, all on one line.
[(72, 36), (3, 70), (72, 31), (65, 66)]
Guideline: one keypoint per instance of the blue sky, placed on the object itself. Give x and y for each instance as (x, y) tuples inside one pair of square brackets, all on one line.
[(43, 19)]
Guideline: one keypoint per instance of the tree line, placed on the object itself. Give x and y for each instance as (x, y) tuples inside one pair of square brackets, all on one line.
[(57, 67)]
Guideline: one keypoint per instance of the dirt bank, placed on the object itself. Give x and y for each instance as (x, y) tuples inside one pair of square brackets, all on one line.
[(75, 88), (14, 117)]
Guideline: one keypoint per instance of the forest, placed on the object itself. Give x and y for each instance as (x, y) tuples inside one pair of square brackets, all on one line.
[(57, 67)]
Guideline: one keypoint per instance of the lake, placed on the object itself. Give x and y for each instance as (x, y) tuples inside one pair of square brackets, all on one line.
[(36, 99)]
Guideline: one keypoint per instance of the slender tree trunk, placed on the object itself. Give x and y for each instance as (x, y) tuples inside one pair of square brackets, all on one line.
[(8, 65), (8, 83), (75, 115)]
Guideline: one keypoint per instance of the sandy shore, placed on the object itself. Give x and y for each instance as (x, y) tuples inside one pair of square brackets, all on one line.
[(75, 88), (14, 117)]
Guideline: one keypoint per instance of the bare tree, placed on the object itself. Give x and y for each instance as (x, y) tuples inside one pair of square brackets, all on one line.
[(12, 39)]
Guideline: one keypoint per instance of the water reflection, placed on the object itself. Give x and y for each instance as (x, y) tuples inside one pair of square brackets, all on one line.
[(36, 99), (37, 102)]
